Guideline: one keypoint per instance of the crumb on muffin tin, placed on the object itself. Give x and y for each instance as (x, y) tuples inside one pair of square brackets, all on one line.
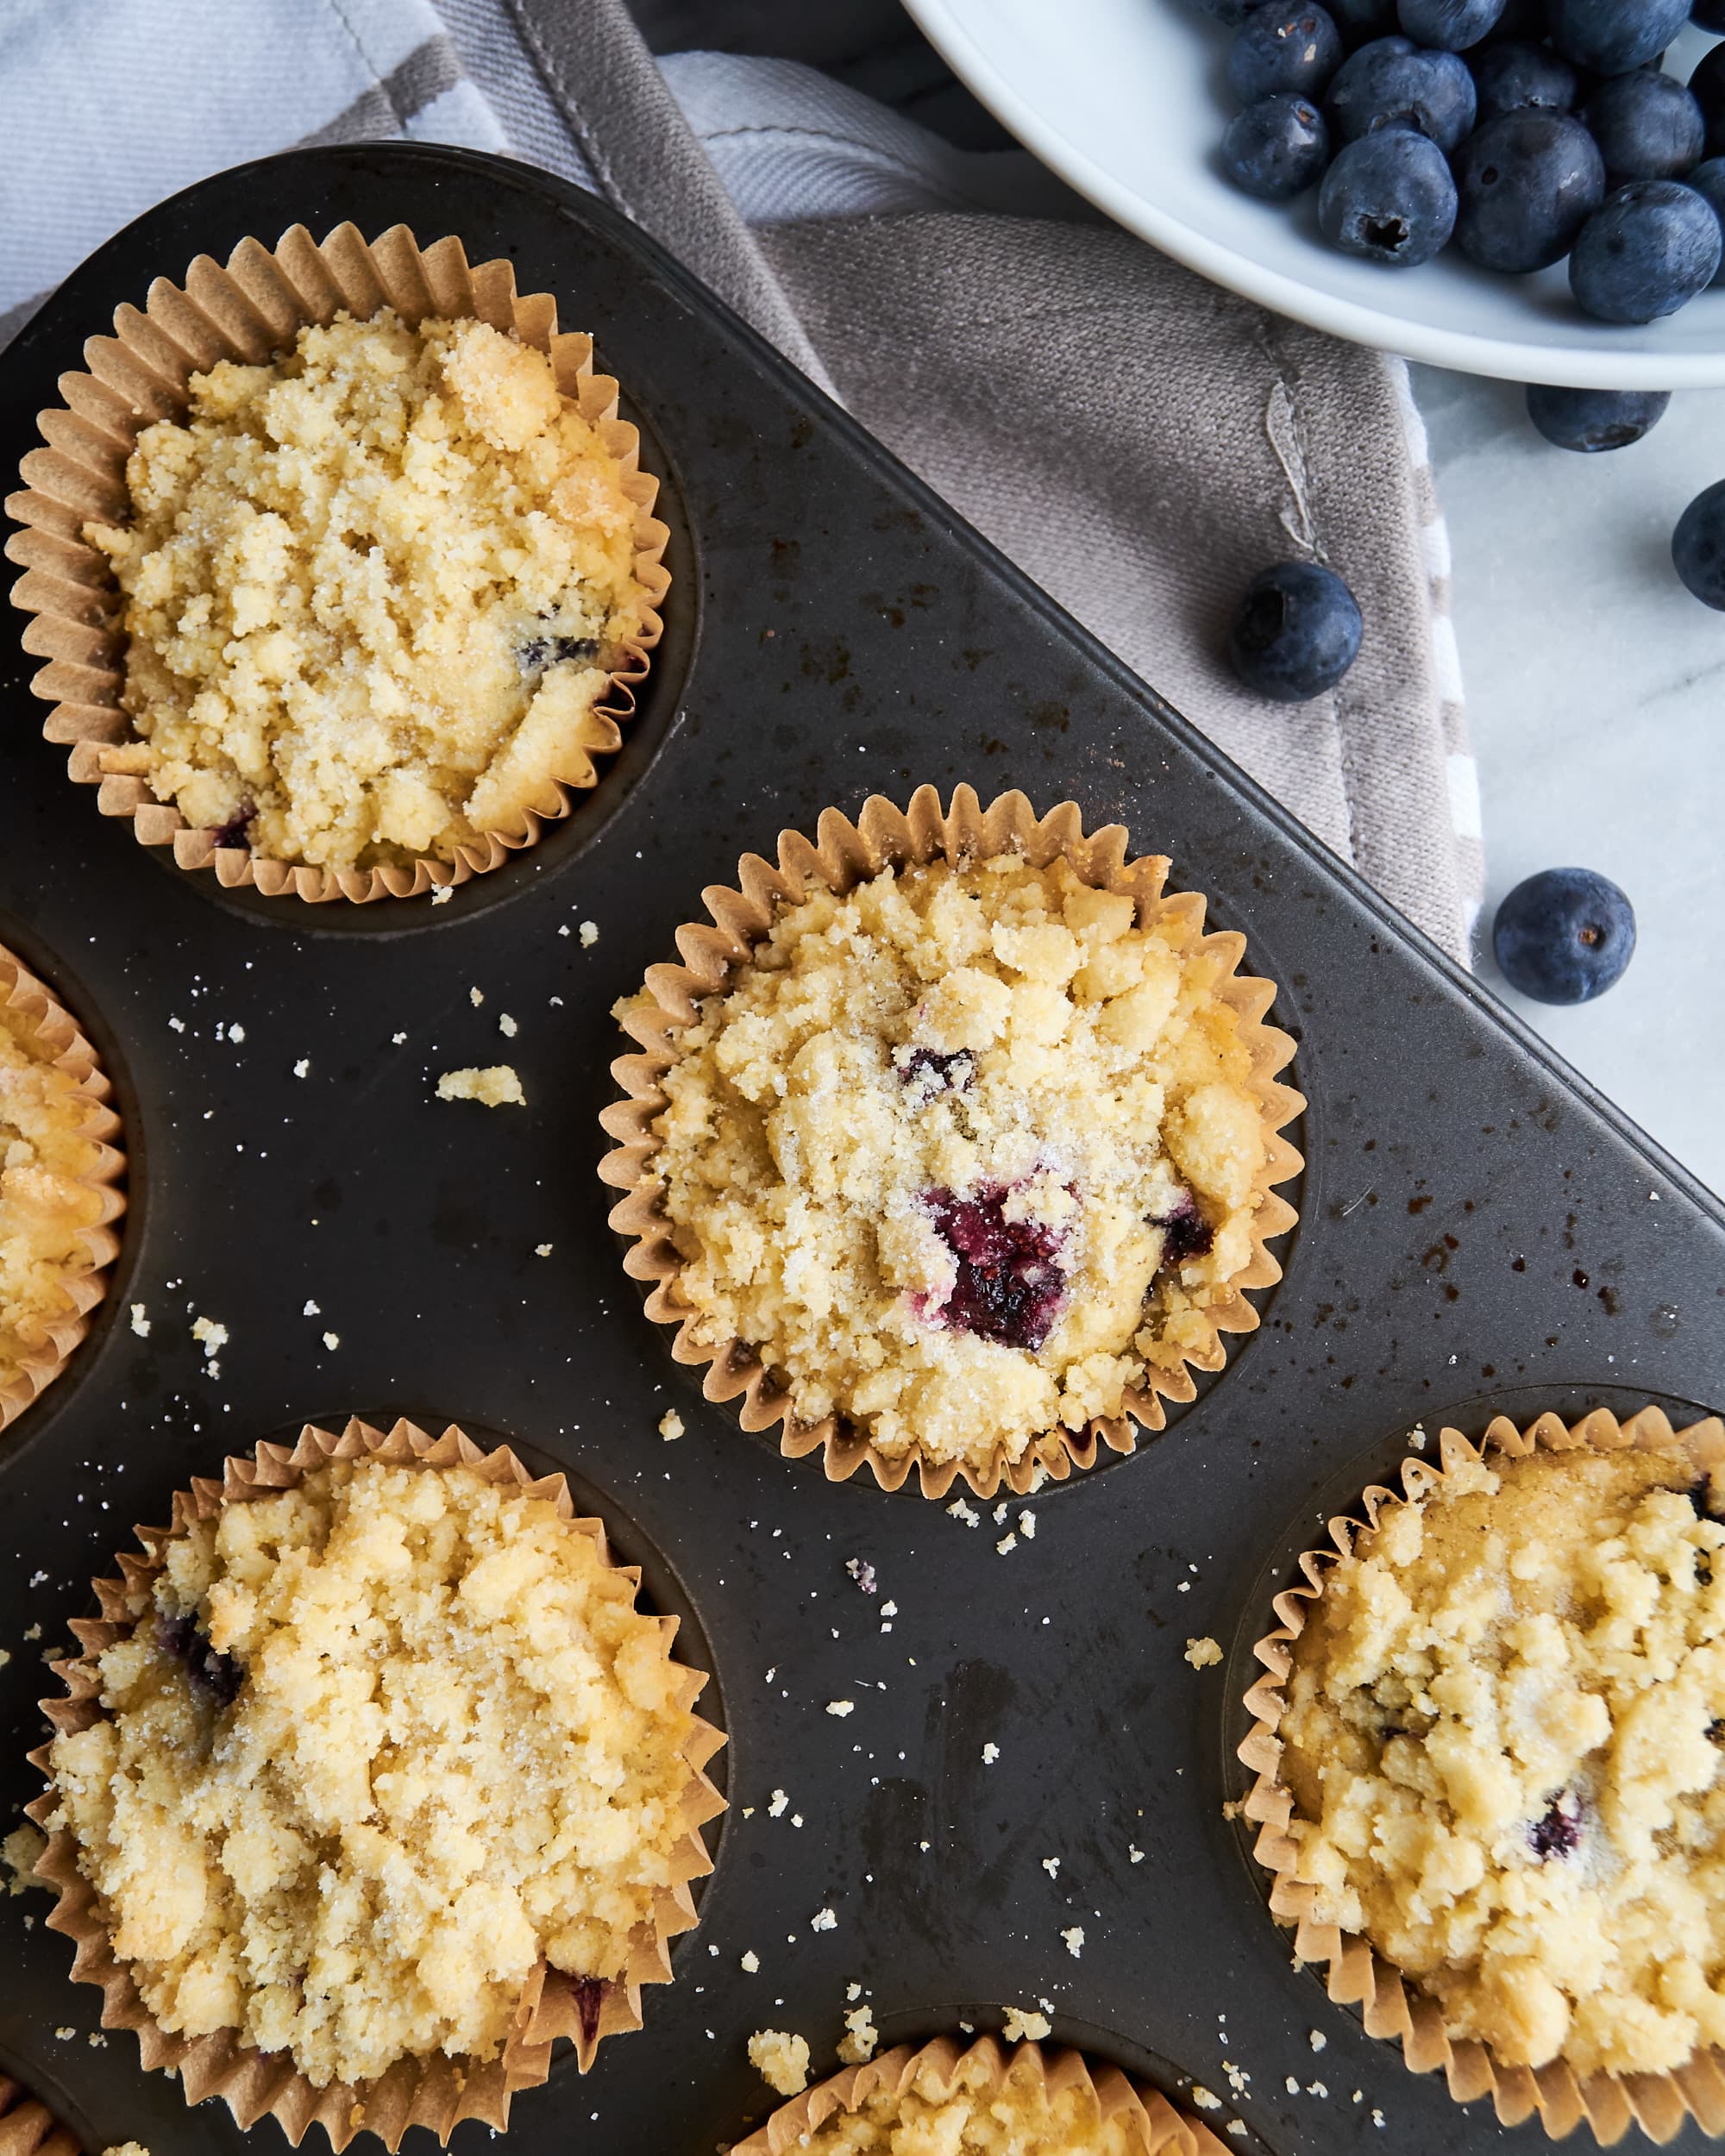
[(1501, 1735), (374, 590), (374, 1745), (966, 1154)]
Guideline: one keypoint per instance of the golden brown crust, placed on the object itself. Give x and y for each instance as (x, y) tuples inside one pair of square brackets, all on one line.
[(843, 854), (247, 311), (1393, 2006), (34, 1015), (436, 2093)]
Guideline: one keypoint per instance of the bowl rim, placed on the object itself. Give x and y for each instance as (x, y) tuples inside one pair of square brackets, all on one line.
[(1609, 359)]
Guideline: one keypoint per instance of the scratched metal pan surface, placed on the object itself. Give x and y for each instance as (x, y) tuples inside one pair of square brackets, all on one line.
[(1477, 1229)]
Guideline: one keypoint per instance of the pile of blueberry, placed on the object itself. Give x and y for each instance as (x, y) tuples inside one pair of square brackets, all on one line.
[(1525, 130)]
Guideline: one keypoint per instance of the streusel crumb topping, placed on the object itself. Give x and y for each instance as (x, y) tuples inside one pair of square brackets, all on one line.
[(373, 591), (377, 1744), (1503, 1737), (45, 1206), (977, 2116), (962, 1153)]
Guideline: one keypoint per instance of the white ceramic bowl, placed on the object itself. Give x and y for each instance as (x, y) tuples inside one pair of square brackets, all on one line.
[(1126, 100)]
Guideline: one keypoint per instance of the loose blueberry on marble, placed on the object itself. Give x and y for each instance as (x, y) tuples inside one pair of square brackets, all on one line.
[(1283, 49), (1297, 632), (1590, 420), (1646, 251), (1698, 547), (1526, 183), (1513, 78), (1708, 180), (1277, 148), (1449, 25), (1563, 935), (1392, 79), (1707, 87), (1009, 1286), (1558, 1833), (1389, 196), (1612, 36), (218, 1677), (1647, 126)]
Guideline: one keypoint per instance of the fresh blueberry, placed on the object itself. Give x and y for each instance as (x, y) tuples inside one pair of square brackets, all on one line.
[(1297, 632), (1360, 21), (1277, 148), (1709, 182), (1647, 127), (1647, 250), (1526, 182), (1389, 196), (1590, 420), (1516, 78), (1707, 87), (1698, 547), (1451, 25), (1565, 936), (1283, 49), (1392, 79), (1612, 36)]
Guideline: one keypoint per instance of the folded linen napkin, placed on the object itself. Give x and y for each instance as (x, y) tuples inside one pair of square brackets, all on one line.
[(1140, 441)]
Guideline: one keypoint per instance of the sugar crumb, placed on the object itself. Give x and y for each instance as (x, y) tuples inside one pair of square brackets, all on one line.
[(496, 1085), (1074, 1937), (1203, 1653), (670, 1425), (1024, 2025), (140, 1323), (1206, 2099), (990, 1753), (859, 2045), (589, 934), (841, 1707)]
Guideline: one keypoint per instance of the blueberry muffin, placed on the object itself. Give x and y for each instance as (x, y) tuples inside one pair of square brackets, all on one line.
[(987, 2101), (376, 1751), (375, 591), (968, 1155), (1503, 1735)]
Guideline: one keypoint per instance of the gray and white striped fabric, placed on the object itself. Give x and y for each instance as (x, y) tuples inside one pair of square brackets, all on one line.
[(1139, 442)]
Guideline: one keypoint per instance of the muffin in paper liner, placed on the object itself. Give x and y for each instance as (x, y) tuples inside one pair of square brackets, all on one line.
[(435, 2092), (843, 854), (250, 310), (1160, 2130), (27, 2127), (1392, 2005), (44, 1026)]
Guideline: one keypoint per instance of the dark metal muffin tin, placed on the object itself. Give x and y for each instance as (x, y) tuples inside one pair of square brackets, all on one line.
[(1478, 1229)]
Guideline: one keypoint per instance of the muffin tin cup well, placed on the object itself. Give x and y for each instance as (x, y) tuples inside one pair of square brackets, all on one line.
[(843, 854), (1392, 2005), (50, 1029), (1143, 2112), (437, 2092), (248, 311)]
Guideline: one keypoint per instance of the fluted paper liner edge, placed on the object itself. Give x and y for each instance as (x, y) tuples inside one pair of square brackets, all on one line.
[(843, 854), (1392, 2005), (1163, 2131), (247, 311), (436, 2092), (48, 1344), (27, 2127)]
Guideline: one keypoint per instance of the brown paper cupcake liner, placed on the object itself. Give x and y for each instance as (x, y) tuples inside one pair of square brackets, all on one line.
[(248, 311), (27, 2127), (1393, 2006), (46, 1344), (438, 2092), (1162, 2130), (842, 855)]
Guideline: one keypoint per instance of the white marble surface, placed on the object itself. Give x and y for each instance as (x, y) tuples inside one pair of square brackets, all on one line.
[(1596, 689)]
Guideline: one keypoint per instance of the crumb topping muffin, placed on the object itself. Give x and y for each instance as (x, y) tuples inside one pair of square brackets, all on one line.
[(978, 2112), (375, 1745), (374, 590), (1503, 1737), (47, 1205), (962, 1153)]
